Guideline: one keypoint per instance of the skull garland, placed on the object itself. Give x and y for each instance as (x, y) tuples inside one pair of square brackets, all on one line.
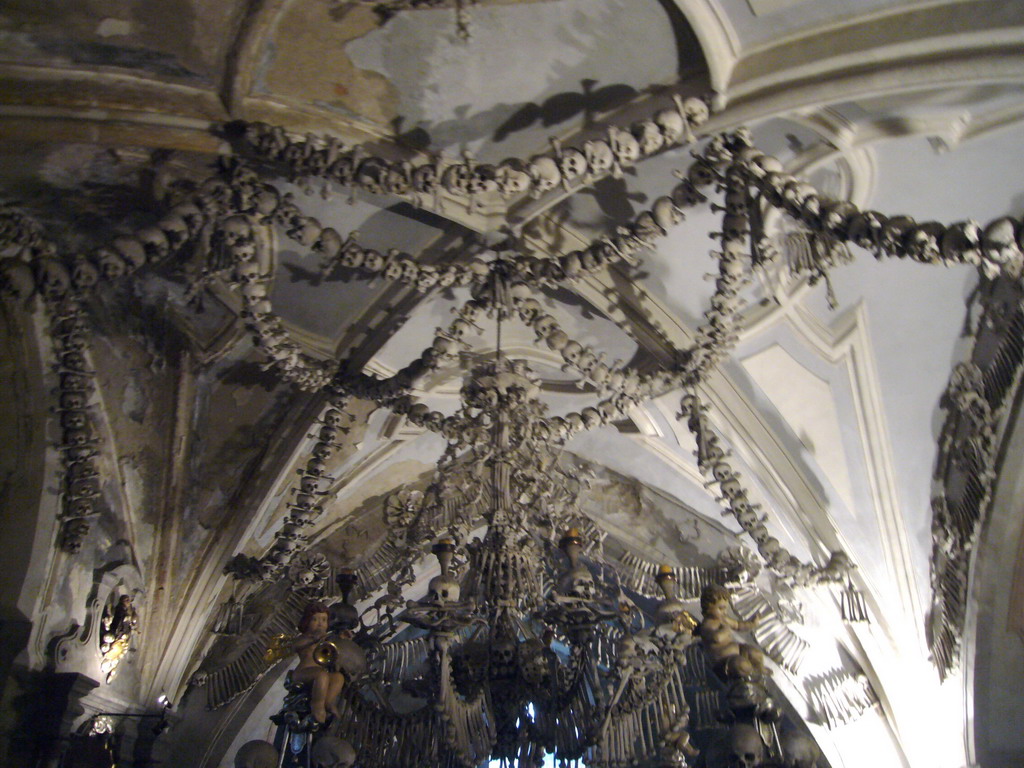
[(310, 571)]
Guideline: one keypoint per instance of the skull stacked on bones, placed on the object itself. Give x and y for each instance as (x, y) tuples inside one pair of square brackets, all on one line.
[(256, 754), (332, 752)]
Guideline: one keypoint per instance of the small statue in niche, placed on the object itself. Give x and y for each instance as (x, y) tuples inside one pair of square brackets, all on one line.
[(326, 684), (118, 625), (730, 658)]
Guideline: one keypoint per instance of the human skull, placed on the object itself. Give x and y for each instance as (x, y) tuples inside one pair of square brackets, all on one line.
[(722, 471), (544, 325), (329, 244), (893, 231), (922, 241), (53, 278), (73, 401), (503, 656), (398, 178), (395, 268), (962, 242), (648, 136), (424, 178), (443, 589), (352, 256), (371, 173), (745, 513), (696, 111), (571, 264), (759, 533), (332, 752), (700, 174), (625, 148), (572, 164), (770, 547), (511, 178), (80, 507), (16, 279), (731, 488), (373, 260), (191, 215), (746, 749), (599, 156), (484, 179), (579, 583), (798, 196), (666, 214), (544, 173), (999, 244), (74, 420), (591, 418), (154, 242), (174, 229), (835, 216), (670, 121), (84, 274), (457, 178), (256, 754), (799, 750)]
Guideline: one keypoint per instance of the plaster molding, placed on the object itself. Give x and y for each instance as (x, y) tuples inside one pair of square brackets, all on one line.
[(663, 451), (889, 36), (340, 491), (718, 41), (201, 586), (240, 59), (848, 343)]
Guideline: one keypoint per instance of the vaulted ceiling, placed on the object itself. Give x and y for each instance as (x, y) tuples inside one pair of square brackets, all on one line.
[(829, 401)]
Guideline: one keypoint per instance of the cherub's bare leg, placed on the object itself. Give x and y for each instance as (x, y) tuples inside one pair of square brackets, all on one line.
[(335, 682), (318, 698), (755, 657)]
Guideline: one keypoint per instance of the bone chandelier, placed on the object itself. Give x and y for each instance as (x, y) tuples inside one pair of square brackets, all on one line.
[(517, 650)]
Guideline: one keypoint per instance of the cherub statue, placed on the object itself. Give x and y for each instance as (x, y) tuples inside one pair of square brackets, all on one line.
[(118, 626), (730, 658), (326, 684), (675, 739)]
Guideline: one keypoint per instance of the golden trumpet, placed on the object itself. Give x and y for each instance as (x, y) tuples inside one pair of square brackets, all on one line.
[(280, 648), (327, 653)]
